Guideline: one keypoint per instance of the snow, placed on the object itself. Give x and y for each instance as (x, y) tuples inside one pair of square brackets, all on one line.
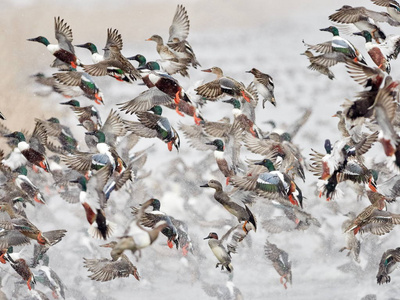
[(236, 36)]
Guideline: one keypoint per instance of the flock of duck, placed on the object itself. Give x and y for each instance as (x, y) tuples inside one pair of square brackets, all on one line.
[(50, 162)]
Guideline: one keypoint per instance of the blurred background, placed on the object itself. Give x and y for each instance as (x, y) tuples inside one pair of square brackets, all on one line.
[(235, 35)]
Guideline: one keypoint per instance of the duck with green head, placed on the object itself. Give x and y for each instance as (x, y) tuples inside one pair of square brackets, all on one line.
[(83, 113), (113, 37), (153, 125), (31, 155), (163, 90), (272, 184), (375, 51), (342, 45), (93, 200), (63, 51), (226, 169), (85, 83)]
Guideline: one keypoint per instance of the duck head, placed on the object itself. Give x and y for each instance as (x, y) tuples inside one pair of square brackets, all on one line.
[(72, 102), (215, 184), (217, 143), (211, 235), (40, 39), (331, 29), (90, 46), (16, 134), (266, 163)]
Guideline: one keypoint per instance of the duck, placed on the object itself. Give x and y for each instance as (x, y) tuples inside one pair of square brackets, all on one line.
[(315, 64), (392, 7), (105, 152), (280, 261), (353, 245), (243, 120), (178, 33), (25, 185), (83, 113), (105, 269), (93, 200), (48, 277), (140, 239), (223, 291), (217, 88), (150, 219), (61, 133), (226, 169), (342, 45), (264, 85), (241, 213), (389, 261), (278, 147), (271, 184), (179, 65), (374, 218), (163, 90), (219, 251), (85, 83), (113, 37), (375, 52), (22, 268), (362, 19), (63, 51), (153, 125), (28, 229), (32, 155)]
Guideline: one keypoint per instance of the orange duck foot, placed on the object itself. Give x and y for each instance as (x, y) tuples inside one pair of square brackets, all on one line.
[(179, 112), (253, 133), (328, 199), (35, 169), (73, 64), (43, 166), (170, 244), (29, 283), (244, 227), (170, 145), (40, 239), (371, 185), (227, 180), (185, 250), (197, 120), (54, 293), (177, 98), (293, 201), (245, 96), (2, 260)]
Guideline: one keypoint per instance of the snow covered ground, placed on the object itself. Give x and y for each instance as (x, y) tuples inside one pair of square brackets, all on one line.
[(236, 36)]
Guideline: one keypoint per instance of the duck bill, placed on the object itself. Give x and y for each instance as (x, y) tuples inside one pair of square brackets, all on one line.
[(81, 46), (205, 185), (108, 245), (260, 163), (207, 70), (32, 39), (149, 39), (90, 132), (229, 101), (358, 33), (325, 29), (206, 238), (10, 135)]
